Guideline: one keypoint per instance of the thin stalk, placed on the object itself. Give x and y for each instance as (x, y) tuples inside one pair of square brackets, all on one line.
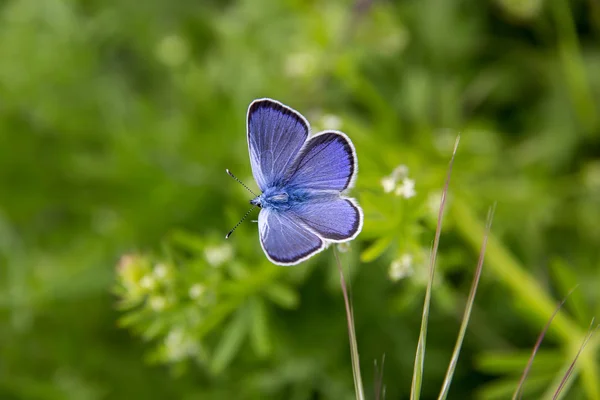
[(358, 385), (415, 391), (518, 392), (468, 308), (572, 366), (572, 348)]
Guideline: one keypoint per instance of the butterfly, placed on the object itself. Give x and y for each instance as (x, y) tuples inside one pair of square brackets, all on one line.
[(303, 180)]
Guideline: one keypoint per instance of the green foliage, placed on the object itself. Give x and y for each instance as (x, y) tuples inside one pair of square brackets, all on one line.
[(117, 121)]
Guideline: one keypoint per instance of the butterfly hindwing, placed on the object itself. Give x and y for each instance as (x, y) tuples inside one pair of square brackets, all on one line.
[(284, 239), (276, 133), (334, 218)]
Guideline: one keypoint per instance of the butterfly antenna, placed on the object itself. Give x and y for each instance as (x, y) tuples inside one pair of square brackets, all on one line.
[(238, 224), (240, 182)]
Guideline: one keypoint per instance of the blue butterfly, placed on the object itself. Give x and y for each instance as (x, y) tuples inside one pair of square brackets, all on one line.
[(302, 179)]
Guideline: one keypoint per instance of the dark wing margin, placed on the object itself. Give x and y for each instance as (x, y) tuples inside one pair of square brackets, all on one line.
[(276, 133)]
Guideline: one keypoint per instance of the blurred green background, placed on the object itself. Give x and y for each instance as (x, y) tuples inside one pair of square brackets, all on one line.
[(118, 119)]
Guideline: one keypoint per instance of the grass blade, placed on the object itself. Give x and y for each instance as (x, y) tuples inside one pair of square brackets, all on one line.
[(415, 391), (379, 387), (468, 308), (518, 391), (358, 385), (572, 366)]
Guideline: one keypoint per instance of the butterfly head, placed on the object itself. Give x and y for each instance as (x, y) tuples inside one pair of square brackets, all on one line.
[(256, 201)]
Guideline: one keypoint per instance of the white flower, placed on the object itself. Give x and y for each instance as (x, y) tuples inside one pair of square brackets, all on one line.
[(400, 172), (406, 189), (158, 303), (147, 282), (175, 336), (179, 345), (196, 291), (401, 267), (160, 271), (330, 121), (388, 183), (217, 255)]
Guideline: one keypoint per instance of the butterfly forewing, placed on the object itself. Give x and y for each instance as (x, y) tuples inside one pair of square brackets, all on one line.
[(276, 134), (326, 162)]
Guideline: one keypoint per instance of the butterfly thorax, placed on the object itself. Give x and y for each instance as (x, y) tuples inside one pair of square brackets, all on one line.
[(281, 199)]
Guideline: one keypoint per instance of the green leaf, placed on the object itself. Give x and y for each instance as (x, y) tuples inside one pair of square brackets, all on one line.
[(259, 328), (282, 295), (187, 241), (566, 280), (504, 388), (376, 249), (513, 363), (231, 341)]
